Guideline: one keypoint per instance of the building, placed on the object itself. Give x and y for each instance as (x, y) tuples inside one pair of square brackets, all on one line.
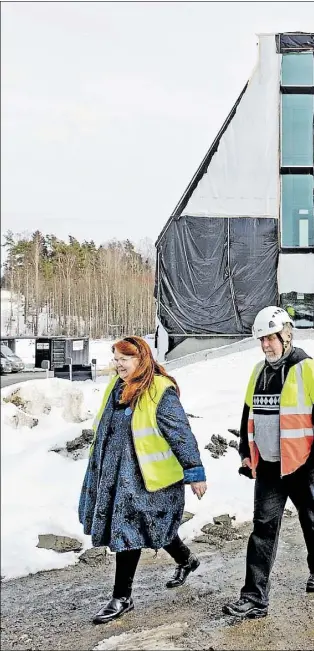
[(242, 235)]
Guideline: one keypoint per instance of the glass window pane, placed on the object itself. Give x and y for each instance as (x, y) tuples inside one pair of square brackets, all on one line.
[(297, 130), (297, 69), (297, 216), (300, 308)]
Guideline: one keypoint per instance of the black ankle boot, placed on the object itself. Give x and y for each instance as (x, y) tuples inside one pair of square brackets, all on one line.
[(310, 584), (113, 609), (245, 608), (182, 572)]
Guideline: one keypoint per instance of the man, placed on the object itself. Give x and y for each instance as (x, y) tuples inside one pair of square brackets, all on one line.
[(276, 443)]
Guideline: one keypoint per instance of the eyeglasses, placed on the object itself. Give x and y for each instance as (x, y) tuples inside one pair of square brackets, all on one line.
[(121, 359)]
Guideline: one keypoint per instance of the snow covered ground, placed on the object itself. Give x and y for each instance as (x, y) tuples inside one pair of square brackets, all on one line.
[(40, 488)]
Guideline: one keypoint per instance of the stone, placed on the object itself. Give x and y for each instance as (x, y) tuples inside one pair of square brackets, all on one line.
[(93, 556), (234, 444), (78, 447), (203, 539), (235, 432), (224, 519), (81, 441), (211, 447), (60, 544), (186, 516), (218, 446), (211, 529)]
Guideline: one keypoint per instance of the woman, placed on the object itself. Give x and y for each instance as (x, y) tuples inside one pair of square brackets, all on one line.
[(143, 452)]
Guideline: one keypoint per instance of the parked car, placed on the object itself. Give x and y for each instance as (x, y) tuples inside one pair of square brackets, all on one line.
[(16, 362), (5, 365)]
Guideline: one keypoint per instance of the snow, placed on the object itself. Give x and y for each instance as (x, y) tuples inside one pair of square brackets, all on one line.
[(40, 488)]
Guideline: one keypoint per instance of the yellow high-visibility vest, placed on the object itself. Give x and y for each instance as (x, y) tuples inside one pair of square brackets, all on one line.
[(158, 464)]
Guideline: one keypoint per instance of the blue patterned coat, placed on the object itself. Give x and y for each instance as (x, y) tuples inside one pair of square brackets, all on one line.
[(115, 508)]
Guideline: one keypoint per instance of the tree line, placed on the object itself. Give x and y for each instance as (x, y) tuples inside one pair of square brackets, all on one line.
[(74, 289)]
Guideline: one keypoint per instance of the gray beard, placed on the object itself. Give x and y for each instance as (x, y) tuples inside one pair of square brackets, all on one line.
[(277, 361)]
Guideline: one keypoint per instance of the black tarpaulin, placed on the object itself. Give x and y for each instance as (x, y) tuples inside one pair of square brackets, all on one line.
[(214, 274)]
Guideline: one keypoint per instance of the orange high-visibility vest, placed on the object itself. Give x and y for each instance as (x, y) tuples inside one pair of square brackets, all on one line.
[(295, 416)]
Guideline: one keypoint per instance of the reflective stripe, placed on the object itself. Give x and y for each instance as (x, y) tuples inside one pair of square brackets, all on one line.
[(155, 456), (251, 436), (285, 411), (301, 407), (147, 431), (296, 421), (296, 433)]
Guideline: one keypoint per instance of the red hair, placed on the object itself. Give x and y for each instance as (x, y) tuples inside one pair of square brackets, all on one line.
[(143, 377)]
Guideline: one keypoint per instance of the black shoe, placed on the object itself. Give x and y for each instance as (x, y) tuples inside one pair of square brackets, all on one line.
[(182, 572), (113, 609), (245, 608), (310, 584)]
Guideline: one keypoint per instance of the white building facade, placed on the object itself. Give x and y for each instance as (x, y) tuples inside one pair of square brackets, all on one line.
[(242, 235)]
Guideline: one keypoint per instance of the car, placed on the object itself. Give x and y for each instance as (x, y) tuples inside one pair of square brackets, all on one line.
[(5, 366), (16, 362)]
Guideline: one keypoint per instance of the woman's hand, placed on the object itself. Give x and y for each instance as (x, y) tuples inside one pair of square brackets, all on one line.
[(199, 488)]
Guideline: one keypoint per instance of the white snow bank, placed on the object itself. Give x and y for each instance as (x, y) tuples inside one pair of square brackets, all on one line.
[(40, 489)]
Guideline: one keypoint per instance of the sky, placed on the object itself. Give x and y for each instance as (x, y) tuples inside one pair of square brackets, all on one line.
[(109, 108)]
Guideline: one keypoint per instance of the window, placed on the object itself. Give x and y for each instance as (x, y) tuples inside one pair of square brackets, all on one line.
[(297, 69), (297, 210), (297, 130), (300, 307)]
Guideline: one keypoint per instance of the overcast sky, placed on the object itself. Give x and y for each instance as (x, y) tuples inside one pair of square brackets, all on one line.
[(108, 108)]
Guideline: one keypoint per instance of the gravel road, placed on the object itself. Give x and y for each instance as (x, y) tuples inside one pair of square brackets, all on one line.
[(14, 378), (53, 610)]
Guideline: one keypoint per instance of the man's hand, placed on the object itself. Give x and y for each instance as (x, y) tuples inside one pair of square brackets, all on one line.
[(247, 462), (199, 488)]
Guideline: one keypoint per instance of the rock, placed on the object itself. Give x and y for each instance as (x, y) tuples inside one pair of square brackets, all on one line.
[(60, 544), (204, 539), (234, 444), (78, 448), (217, 447), (236, 432), (192, 416), (211, 529), (287, 513), (82, 441), (15, 399), (93, 556), (224, 519), (186, 516), (219, 439), (220, 528), (211, 447)]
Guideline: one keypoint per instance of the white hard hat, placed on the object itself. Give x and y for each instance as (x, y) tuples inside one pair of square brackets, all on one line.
[(270, 320)]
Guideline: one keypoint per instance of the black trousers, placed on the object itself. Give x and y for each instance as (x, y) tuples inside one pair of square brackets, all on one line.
[(127, 561), (271, 494)]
